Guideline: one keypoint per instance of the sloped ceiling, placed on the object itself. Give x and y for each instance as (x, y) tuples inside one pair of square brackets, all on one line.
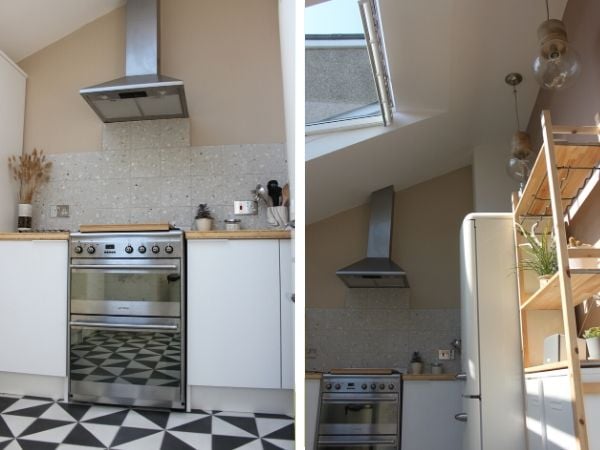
[(447, 60), (27, 26)]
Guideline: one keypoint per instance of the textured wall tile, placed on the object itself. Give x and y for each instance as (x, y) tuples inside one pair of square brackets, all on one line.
[(116, 136), (145, 192), (175, 191), (145, 163), (175, 162), (86, 215), (377, 298), (162, 133), (115, 164)]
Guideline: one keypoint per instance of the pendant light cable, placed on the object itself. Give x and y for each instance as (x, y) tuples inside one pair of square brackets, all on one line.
[(547, 11), (516, 109)]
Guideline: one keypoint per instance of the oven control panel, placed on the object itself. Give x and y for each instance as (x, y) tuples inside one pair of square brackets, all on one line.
[(127, 245), (361, 383)]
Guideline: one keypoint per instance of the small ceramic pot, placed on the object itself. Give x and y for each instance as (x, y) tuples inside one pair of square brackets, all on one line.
[(204, 224), (416, 367), (277, 216), (25, 212), (437, 369), (544, 280), (593, 347)]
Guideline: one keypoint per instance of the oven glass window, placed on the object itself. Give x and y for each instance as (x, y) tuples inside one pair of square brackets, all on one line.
[(144, 285), (108, 363), (359, 413)]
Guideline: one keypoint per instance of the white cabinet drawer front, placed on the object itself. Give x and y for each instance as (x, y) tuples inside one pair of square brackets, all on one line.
[(33, 301), (234, 313)]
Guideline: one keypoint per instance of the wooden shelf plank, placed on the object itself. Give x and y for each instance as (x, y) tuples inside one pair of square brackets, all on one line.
[(583, 285), (575, 166), (561, 365)]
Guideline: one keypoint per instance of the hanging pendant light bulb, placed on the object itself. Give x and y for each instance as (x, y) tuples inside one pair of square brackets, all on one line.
[(518, 166), (557, 64)]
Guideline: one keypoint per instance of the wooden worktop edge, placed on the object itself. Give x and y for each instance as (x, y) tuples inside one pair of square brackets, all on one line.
[(34, 236), (429, 377), (242, 234)]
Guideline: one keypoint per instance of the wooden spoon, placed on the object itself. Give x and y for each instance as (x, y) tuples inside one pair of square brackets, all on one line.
[(285, 195)]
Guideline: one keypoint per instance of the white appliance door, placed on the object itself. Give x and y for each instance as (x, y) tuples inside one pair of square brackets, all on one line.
[(469, 307), (472, 435)]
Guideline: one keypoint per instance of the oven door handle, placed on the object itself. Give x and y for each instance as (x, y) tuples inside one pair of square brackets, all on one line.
[(125, 266), (84, 324)]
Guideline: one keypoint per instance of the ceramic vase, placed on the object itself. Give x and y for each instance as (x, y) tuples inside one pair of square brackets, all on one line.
[(593, 346), (25, 212)]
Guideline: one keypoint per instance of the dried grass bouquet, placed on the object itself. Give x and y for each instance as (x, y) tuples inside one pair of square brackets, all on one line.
[(31, 170)]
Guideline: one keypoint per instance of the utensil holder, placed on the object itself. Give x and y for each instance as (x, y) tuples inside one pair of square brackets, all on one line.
[(277, 216), (25, 212)]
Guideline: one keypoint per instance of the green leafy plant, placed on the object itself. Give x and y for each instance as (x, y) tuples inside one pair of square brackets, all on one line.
[(203, 212), (591, 333), (541, 250)]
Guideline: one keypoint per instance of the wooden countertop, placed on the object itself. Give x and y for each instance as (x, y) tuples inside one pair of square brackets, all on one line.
[(242, 234), (313, 375), (34, 236), (429, 377)]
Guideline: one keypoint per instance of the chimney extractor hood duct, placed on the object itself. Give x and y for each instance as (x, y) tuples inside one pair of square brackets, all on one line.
[(143, 93), (377, 270)]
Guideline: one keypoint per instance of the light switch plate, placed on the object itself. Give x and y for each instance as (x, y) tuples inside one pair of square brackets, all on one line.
[(445, 354), (245, 207)]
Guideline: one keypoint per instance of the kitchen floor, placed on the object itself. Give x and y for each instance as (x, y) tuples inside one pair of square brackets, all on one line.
[(33, 423)]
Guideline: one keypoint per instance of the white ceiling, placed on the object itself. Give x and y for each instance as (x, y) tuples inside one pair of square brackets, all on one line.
[(27, 26), (447, 60)]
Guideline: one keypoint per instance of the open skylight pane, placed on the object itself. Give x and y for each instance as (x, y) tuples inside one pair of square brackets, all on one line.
[(340, 85)]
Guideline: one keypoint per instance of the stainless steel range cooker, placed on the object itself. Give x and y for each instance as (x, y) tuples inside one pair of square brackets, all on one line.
[(127, 310), (360, 411)]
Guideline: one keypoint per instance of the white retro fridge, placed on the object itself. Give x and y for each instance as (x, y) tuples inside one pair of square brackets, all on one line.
[(493, 402)]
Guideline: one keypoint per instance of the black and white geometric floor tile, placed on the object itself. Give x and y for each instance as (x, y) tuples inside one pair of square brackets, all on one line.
[(127, 358), (33, 423)]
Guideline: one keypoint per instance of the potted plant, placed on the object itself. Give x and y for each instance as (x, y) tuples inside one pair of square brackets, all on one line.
[(592, 340), (204, 218), (30, 170), (416, 363), (541, 253)]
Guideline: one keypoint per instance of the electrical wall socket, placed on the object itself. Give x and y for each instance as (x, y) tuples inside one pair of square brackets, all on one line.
[(445, 355), (245, 207), (59, 211)]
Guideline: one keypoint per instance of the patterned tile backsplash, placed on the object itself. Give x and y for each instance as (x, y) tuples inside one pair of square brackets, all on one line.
[(376, 328), (148, 172)]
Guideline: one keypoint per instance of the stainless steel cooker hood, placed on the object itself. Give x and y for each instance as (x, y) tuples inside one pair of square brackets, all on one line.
[(143, 93), (377, 269)]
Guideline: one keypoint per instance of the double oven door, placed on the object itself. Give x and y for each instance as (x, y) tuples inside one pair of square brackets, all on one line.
[(359, 421), (126, 332)]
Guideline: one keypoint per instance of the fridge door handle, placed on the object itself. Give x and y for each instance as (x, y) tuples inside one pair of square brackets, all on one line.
[(461, 376), (461, 417), (477, 397)]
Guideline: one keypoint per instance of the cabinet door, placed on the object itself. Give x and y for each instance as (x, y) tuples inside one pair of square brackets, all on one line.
[(33, 301), (535, 414), (311, 412), (234, 313), (428, 409), (12, 111), (558, 414), (287, 315)]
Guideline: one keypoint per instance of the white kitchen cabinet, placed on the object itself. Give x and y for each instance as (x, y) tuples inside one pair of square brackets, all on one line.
[(33, 305), (428, 409), (550, 412), (238, 319), (311, 412), (12, 113), (287, 314)]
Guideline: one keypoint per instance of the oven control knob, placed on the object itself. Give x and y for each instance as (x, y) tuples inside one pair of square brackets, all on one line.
[(382, 386), (142, 249), (328, 386), (129, 249), (91, 249), (364, 386), (155, 249), (169, 249), (391, 386), (78, 249), (337, 386), (373, 386)]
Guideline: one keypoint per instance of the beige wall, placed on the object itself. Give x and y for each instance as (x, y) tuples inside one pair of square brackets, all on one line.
[(226, 52), (425, 243)]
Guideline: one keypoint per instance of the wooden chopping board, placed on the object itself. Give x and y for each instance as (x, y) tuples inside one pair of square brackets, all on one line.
[(360, 371), (125, 227)]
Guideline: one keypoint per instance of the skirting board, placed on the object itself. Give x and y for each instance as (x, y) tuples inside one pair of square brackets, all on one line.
[(36, 385), (274, 401)]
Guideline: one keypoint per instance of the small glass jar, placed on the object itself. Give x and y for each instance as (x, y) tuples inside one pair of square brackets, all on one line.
[(232, 224)]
